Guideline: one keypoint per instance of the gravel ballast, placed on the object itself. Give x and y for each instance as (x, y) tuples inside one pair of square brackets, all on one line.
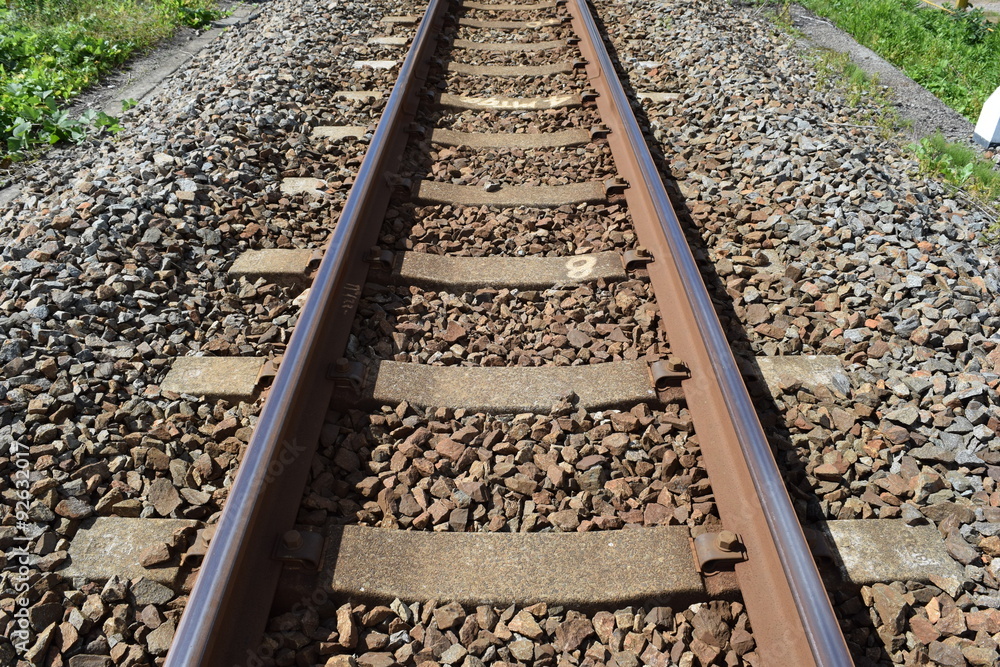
[(820, 238), (114, 262), (816, 237)]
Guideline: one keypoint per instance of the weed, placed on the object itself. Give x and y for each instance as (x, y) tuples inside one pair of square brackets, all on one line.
[(960, 167), (955, 56), (51, 50), (192, 14), (783, 16), (863, 92)]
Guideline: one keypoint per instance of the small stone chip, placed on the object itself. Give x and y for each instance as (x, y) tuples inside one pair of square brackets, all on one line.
[(155, 554), (147, 591)]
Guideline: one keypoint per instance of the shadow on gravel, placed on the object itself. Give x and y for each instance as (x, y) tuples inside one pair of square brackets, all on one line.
[(866, 648)]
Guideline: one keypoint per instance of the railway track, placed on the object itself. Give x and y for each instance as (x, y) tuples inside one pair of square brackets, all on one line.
[(676, 371), (508, 448), (508, 391)]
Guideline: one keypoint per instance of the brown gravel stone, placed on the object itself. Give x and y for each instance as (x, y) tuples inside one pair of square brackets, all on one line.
[(891, 606), (346, 627), (571, 633), (155, 554), (524, 624), (163, 496)]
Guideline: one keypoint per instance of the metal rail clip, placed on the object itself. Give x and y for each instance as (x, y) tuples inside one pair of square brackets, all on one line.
[(636, 258), (380, 258), (195, 553), (348, 375), (668, 372), (300, 546), (599, 131), (615, 185), (718, 551)]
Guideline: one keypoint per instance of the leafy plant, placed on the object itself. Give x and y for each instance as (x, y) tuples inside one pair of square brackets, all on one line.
[(954, 55), (194, 15), (51, 50), (959, 165)]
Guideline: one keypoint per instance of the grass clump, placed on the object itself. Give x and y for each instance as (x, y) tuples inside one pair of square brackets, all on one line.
[(862, 91), (960, 167), (51, 50), (954, 56)]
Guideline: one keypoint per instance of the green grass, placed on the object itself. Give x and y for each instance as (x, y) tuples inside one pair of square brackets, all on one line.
[(960, 166), (52, 50), (863, 92), (953, 56)]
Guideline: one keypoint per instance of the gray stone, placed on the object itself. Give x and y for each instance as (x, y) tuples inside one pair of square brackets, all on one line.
[(455, 653), (146, 591), (158, 641), (90, 661)]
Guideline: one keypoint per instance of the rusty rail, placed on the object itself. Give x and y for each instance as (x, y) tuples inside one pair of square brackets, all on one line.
[(793, 621), (228, 607), (791, 615)]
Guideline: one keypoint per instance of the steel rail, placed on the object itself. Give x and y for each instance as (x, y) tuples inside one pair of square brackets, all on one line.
[(780, 570), (227, 611)]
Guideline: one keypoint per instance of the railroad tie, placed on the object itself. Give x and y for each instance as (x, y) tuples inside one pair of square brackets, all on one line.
[(560, 139), (470, 273), (357, 94), (518, 568), (510, 46), (283, 266), (510, 70), (361, 562), (510, 195), (511, 389), (513, 568), (510, 8), (405, 19), (339, 132), (232, 379), (388, 41), (511, 25), (509, 103)]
